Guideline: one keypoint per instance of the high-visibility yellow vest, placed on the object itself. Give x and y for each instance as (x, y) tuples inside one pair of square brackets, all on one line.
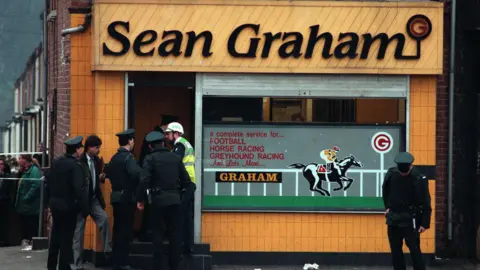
[(189, 158)]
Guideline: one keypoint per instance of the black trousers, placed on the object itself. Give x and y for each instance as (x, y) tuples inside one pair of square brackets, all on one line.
[(166, 225), (123, 218), (5, 214), (28, 226), (61, 240), (396, 235), (186, 234), (146, 227)]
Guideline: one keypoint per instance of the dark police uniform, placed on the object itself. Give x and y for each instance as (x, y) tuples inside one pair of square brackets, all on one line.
[(187, 206), (123, 173), (164, 178), (146, 228), (67, 192), (407, 200)]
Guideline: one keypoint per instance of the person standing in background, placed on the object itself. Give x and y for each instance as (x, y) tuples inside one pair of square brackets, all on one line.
[(28, 199), (39, 158), (91, 163), (5, 200)]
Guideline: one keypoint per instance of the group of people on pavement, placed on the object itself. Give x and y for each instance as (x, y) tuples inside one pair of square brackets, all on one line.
[(163, 181), (20, 185)]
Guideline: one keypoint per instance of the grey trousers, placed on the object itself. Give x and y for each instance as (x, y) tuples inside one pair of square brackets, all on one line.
[(100, 218)]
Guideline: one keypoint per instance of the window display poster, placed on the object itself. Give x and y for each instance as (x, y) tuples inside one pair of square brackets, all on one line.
[(297, 167)]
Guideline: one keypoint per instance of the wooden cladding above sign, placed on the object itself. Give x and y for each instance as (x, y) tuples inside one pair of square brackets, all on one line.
[(276, 37)]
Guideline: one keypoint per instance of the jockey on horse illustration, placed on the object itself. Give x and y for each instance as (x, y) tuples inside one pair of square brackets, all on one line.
[(330, 158)]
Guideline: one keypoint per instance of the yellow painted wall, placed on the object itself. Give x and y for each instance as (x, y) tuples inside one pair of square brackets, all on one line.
[(97, 104), (97, 107), (221, 17), (294, 232)]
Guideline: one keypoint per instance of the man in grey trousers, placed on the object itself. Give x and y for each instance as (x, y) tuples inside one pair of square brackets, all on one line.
[(93, 166)]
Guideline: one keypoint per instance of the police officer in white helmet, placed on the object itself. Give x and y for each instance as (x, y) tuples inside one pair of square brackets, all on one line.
[(174, 133)]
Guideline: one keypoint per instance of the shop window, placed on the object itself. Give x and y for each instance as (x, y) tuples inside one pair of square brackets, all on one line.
[(299, 154), (233, 109), (318, 110)]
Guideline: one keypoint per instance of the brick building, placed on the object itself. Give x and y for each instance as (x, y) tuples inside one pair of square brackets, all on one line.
[(23, 132), (91, 92)]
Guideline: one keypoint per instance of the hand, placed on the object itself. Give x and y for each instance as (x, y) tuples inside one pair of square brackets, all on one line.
[(386, 211), (140, 206), (421, 229), (102, 177)]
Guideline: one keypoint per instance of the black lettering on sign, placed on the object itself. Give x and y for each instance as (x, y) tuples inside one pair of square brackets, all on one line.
[(112, 31), (248, 177), (350, 45)]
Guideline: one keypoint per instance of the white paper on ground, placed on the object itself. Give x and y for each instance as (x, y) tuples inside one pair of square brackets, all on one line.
[(309, 266)]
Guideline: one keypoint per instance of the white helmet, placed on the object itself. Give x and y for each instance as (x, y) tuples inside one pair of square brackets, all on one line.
[(174, 127)]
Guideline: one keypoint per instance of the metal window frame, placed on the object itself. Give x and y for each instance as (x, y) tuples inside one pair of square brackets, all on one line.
[(201, 92)]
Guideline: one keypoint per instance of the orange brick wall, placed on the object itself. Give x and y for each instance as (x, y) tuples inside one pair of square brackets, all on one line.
[(109, 114), (423, 118), (82, 96), (97, 104), (333, 232)]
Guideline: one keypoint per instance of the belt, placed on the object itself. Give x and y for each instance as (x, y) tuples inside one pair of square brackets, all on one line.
[(401, 209), (156, 191), (123, 191)]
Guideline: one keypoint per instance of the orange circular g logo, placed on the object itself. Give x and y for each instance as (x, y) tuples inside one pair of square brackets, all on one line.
[(419, 27)]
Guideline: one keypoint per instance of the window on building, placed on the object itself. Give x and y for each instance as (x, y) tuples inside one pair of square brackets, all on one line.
[(37, 80), (318, 110), (21, 93), (52, 5), (17, 101)]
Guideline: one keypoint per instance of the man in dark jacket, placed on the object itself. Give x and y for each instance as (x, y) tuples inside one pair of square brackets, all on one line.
[(408, 210), (92, 164), (5, 199), (146, 228), (123, 173), (164, 178), (67, 191)]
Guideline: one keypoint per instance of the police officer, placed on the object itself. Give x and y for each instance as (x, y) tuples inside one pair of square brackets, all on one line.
[(164, 178), (408, 210), (146, 229), (123, 172), (68, 193), (185, 151)]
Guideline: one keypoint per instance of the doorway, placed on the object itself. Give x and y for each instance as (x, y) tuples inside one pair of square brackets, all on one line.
[(153, 94)]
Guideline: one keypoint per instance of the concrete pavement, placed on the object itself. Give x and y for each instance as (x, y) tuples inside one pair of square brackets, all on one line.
[(13, 258)]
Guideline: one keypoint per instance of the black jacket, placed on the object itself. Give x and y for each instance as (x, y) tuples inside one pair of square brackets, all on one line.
[(97, 192), (165, 175), (124, 174), (145, 150), (6, 187), (67, 189), (407, 197)]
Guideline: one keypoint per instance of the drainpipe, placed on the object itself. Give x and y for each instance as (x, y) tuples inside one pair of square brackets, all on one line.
[(450, 117), (45, 113), (79, 29), (82, 27)]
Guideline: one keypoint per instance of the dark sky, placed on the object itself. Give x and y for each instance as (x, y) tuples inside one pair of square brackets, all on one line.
[(20, 34)]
